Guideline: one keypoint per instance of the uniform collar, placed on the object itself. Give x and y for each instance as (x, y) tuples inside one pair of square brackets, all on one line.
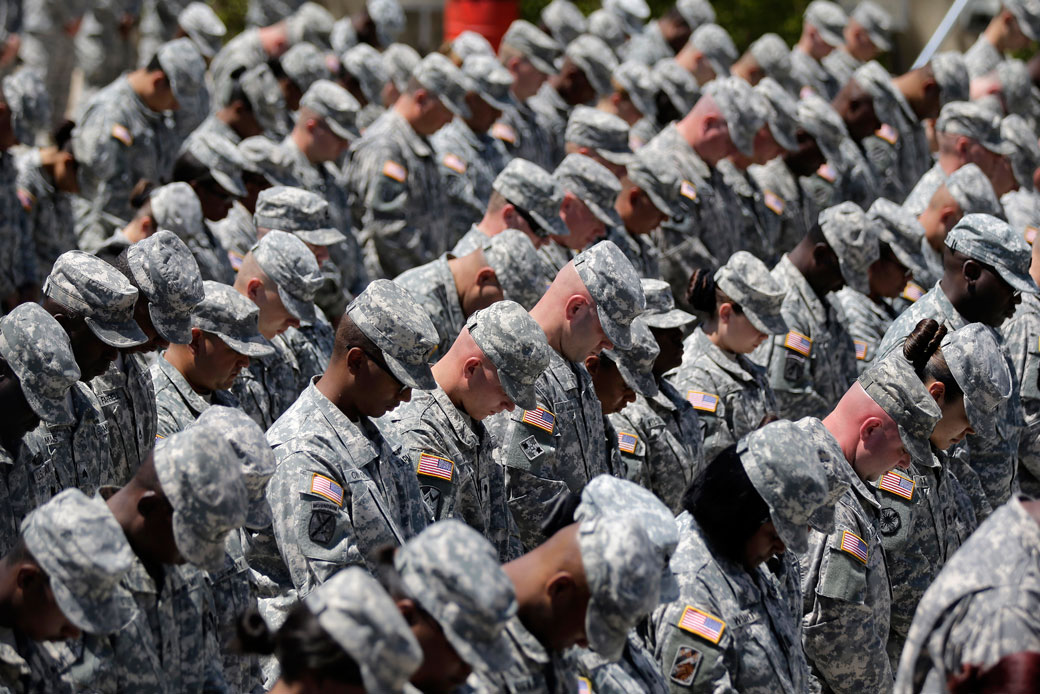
[(196, 402), (730, 363), (795, 281), (416, 142), (349, 434), (463, 426)]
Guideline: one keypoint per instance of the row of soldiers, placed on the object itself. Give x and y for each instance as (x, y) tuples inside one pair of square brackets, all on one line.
[(224, 368)]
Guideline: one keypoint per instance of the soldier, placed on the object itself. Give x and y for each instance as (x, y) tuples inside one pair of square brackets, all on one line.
[(823, 29), (47, 35), (632, 93), (562, 20), (17, 259), (629, 371), (614, 392), (676, 92), (450, 289), (378, 24), (651, 193), (363, 74), (300, 67), (587, 210), (867, 35), (251, 47), (396, 183), (664, 37), (599, 135), (212, 166), (250, 104), (400, 60), (61, 579), (176, 207), (767, 56), (190, 377), (811, 364), (560, 444), (708, 54), (1011, 29), (106, 43), (490, 368), (201, 24)]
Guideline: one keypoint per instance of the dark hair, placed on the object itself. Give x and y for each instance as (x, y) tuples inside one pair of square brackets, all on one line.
[(276, 67), (348, 335), (726, 505), (1017, 673), (922, 350), (666, 109), (62, 135), (704, 295), (141, 193), (154, 65), (237, 93), (301, 645), (189, 169)]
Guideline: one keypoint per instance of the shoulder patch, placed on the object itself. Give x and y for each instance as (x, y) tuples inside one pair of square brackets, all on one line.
[(688, 190), (912, 292), (504, 132), (827, 172), (774, 202), (799, 343), (887, 133), (543, 419), (897, 484), (435, 466), (705, 402), (685, 665), (26, 199), (854, 545), (702, 624), (326, 487), (391, 169), (321, 527), (626, 442), (584, 686), (454, 163), (122, 134), (861, 349)]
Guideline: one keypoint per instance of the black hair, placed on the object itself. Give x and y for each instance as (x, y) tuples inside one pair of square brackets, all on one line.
[(922, 350), (62, 135), (348, 335), (666, 109), (704, 295), (154, 65), (276, 67), (237, 93)]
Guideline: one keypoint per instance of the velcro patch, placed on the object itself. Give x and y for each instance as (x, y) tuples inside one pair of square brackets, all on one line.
[(854, 545), (799, 343), (861, 349), (827, 172), (326, 487), (435, 466), (122, 134), (685, 665), (504, 132), (391, 169), (543, 419), (887, 133), (626, 442), (322, 527), (774, 202), (688, 190), (705, 402), (454, 163), (702, 624), (897, 484)]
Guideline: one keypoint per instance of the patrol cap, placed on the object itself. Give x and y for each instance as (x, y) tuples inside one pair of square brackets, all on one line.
[(745, 110), (608, 27), (400, 60), (876, 21), (613, 284), (773, 56), (184, 68), (388, 16), (254, 454), (515, 344), (400, 328), (233, 318), (222, 159), (717, 46), (604, 132), (536, 192), (310, 23), (512, 255), (1025, 157), (893, 385), (972, 120), (976, 361), (39, 352), (655, 177), (439, 75), (260, 86), (747, 281), (1027, 12), (595, 59), (835, 466), (783, 113), (1016, 86), (876, 81), (677, 83), (606, 495), (200, 475), (636, 363), (534, 44), (637, 81), (593, 184), (168, 276), (364, 621), (823, 123), (470, 43), (793, 492), (81, 547), (203, 26), (901, 231), (490, 80), (453, 573), (26, 94), (623, 571), (633, 13), (660, 306), (951, 74), (993, 242), (564, 20), (854, 240), (262, 155), (829, 19), (335, 105), (292, 266), (299, 212), (695, 12), (304, 64), (972, 191), (93, 289), (365, 64)]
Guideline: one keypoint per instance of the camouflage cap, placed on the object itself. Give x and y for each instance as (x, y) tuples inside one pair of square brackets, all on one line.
[(747, 281), (364, 621), (972, 191), (439, 75), (201, 477), (975, 121), (593, 184), (534, 44), (388, 16), (633, 13), (893, 385), (595, 59), (185, 68), (233, 318), (263, 156), (660, 306), (490, 80), (695, 12), (304, 65), (310, 23), (604, 132), (773, 56), (793, 493), (39, 352), (623, 571), (677, 83), (829, 19), (168, 276), (564, 20), (453, 573), (951, 74), (836, 468), (516, 346), (638, 82), (658, 179), (606, 496), (260, 87), (299, 212), (1027, 12), (613, 284), (203, 26), (400, 61), (876, 81), (824, 124), (26, 94), (400, 328), (636, 363), (993, 242), (176, 207), (607, 27), (783, 113), (336, 107), (365, 64), (81, 547), (1015, 85), (854, 239), (470, 43), (512, 256), (291, 265), (876, 21), (717, 46), (976, 360), (222, 159), (254, 454), (535, 191), (902, 232), (93, 289), (744, 109), (1025, 155)]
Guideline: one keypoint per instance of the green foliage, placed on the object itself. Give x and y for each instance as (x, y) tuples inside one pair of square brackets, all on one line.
[(232, 13)]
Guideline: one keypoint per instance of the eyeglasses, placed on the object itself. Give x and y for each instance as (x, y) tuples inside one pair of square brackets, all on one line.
[(381, 363)]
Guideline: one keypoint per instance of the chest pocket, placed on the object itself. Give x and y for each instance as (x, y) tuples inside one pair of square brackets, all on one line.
[(843, 573), (746, 408)]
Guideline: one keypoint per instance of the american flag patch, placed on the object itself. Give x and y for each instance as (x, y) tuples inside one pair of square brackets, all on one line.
[(122, 134), (912, 292), (1031, 234), (236, 261), (454, 163), (504, 132), (887, 133), (702, 624), (774, 202), (626, 442), (799, 343), (584, 686), (706, 402), (392, 169), (900, 485), (861, 349), (323, 486), (854, 545), (26, 198), (688, 190), (543, 419), (827, 173), (435, 466)]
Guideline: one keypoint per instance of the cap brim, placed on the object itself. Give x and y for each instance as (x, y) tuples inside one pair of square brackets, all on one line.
[(235, 186), (199, 551), (301, 310), (662, 205), (415, 376), (96, 616), (175, 328), (1001, 147), (603, 641), (786, 140), (120, 335), (523, 396), (619, 334), (920, 450), (854, 280), (675, 318), (320, 237), (51, 411), (669, 586), (459, 108), (882, 43), (340, 131), (830, 37), (482, 656), (542, 66), (770, 325), (257, 348), (619, 158), (1022, 283), (258, 513), (795, 537), (501, 104), (609, 217), (642, 383), (552, 226), (983, 422)]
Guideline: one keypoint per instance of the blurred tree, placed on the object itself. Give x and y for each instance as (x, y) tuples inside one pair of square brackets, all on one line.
[(233, 14)]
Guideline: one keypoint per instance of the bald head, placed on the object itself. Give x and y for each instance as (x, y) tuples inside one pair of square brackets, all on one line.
[(706, 130), (868, 436), (567, 314)]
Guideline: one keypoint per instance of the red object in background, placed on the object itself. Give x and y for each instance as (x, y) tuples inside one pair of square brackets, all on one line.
[(489, 18)]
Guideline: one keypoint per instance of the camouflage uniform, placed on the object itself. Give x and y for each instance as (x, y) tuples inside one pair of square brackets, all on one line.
[(48, 213), (662, 185), (176, 207), (1022, 333), (17, 258), (177, 403), (982, 58), (48, 48), (798, 210)]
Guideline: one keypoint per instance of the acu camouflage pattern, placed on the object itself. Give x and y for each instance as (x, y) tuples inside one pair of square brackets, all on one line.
[(614, 285), (177, 404), (296, 211), (1022, 333), (47, 213), (127, 397), (433, 287), (167, 276), (176, 207), (38, 352)]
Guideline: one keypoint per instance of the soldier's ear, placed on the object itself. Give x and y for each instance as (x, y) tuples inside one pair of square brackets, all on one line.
[(486, 277), (592, 365), (355, 356)]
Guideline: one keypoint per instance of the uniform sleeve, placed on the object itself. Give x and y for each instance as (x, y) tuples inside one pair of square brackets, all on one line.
[(996, 624), (789, 371), (438, 478), (689, 662)]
